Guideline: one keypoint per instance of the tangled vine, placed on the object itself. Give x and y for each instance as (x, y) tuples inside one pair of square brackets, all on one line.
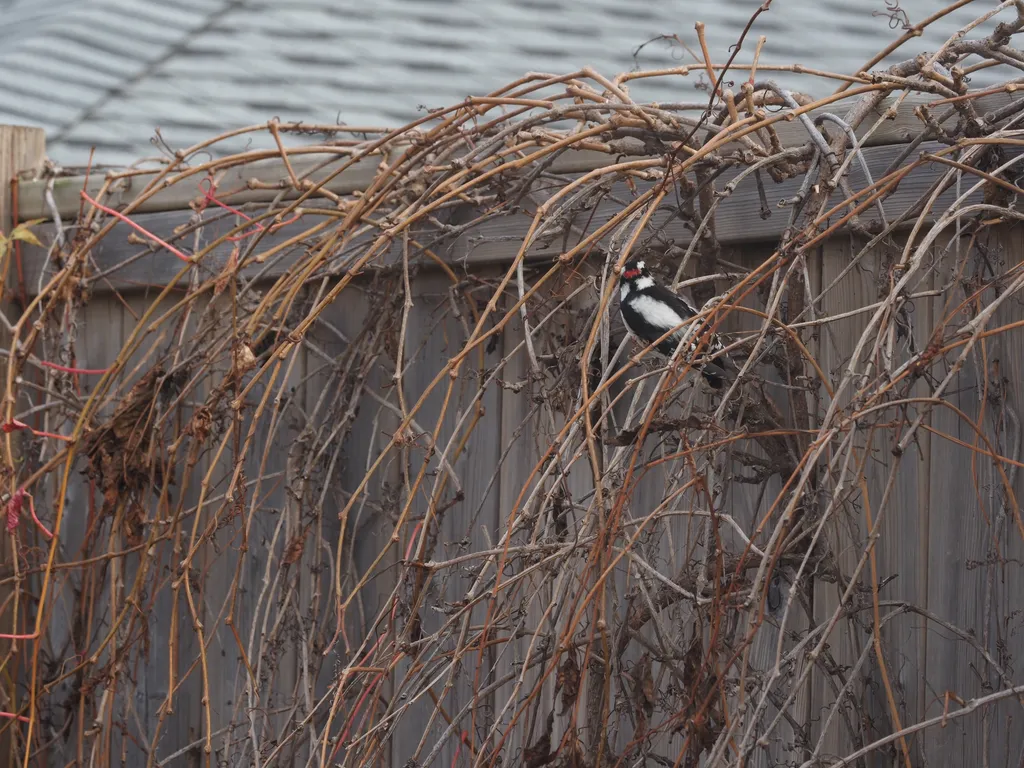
[(375, 475)]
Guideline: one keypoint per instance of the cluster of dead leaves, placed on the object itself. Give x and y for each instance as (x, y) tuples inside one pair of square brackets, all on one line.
[(121, 455)]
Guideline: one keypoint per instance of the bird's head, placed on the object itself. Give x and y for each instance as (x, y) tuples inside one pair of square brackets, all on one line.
[(634, 277), (634, 269)]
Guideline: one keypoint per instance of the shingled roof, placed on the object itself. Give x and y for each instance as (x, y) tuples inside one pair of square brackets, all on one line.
[(106, 73)]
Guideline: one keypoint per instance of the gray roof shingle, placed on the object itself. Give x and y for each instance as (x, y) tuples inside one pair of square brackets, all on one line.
[(108, 72)]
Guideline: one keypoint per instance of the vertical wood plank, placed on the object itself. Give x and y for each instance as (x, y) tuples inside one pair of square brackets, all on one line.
[(243, 580), (1002, 724), (434, 336), (901, 549), (155, 715), (975, 543), (76, 595), (22, 150), (759, 506), (518, 443), (838, 730), (338, 346)]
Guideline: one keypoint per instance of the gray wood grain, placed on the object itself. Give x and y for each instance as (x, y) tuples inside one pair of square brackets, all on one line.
[(434, 336), (66, 191), (845, 532), (901, 549), (941, 523), (974, 545), (70, 632), (368, 530), (124, 265)]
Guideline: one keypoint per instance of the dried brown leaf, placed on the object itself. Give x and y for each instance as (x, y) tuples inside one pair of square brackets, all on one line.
[(540, 753), (227, 273), (295, 547), (568, 680), (242, 360)]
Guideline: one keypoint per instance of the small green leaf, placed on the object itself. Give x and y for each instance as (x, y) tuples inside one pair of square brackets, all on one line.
[(26, 235)]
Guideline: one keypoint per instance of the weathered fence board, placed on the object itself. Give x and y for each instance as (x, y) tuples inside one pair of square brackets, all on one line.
[(259, 180), (892, 488), (367, 531), (974, 531), (22, 149), (121, 261)]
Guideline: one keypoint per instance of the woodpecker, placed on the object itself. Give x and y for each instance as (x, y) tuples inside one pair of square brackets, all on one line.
[(650, 311)]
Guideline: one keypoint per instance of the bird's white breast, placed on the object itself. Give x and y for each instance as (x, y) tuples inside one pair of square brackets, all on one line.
[(626, 286), (656, 313)]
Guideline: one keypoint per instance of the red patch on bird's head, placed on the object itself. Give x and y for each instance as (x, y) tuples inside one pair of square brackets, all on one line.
[(631, 274)]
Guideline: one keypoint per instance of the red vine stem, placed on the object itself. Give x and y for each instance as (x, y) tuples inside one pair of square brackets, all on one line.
[(137, 227), (69, 369), (210, 197)]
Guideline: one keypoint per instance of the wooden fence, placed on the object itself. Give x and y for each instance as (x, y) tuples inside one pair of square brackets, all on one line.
[(945, 560)]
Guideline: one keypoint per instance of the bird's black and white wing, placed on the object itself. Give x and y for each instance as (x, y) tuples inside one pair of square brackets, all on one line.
[(652, 312)]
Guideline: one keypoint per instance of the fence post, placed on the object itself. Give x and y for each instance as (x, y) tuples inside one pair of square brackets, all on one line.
[(22, 148)]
